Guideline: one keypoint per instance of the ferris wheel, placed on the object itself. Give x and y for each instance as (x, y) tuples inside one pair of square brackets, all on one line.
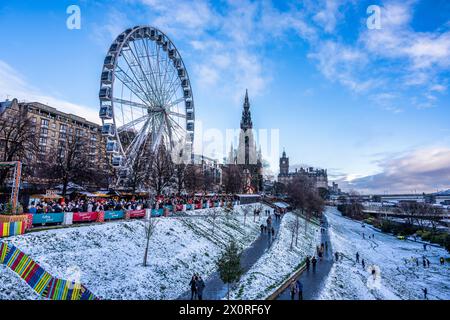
[(146, 99)]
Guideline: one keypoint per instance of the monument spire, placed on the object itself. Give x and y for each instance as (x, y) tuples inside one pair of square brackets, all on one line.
[(246, 122)]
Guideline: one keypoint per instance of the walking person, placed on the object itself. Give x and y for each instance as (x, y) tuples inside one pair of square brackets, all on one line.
[(428, 263), (200, 285), (193, 285), (308, 262), (425, 293), (314, 262), (299, 289), (357, 257), (293, 289), (273, 232), (363, 264), (336, 255), (442, 261)]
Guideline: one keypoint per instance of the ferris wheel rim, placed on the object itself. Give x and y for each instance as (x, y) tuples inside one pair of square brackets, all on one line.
[(126, 40)]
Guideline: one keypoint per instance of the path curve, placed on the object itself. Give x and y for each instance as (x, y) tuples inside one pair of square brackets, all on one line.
[(215, 289), (313, 280)]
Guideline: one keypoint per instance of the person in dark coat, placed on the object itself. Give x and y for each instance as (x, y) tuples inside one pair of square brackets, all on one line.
[(299, 289), (193, 285), (363, 263), (442, 261), (308, 262), (357, 257), (425, 293), (314, 261), (428, 263), (293, 289), (200, 285), (336, 255)]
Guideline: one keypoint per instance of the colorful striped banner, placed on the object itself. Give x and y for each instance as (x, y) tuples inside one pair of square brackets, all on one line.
[(8, 229), (41, 281)]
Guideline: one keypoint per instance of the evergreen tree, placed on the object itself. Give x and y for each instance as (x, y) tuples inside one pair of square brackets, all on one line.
[(229, 265)]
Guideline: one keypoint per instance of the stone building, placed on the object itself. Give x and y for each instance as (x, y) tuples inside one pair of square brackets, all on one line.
[(319, 176), (53, 130)]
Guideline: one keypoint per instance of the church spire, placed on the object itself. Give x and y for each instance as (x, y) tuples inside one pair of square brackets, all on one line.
[(246, 122)]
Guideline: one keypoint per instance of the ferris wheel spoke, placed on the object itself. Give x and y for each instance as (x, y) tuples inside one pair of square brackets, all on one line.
[(130, 67), (157, 137), (177, 114), (173, 103), (136, 104), (132, 85), (173, 86), (151, 70), (144, 76), (132, 124), (138, 95), (135, 145)]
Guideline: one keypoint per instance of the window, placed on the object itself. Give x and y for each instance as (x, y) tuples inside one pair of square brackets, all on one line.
[(33, 120), (63, 128), (44, 131), (62, 135), (42, 140), (44, 122)]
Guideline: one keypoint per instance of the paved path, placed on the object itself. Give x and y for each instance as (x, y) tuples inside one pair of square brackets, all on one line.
[(313, 280), (215, 289)]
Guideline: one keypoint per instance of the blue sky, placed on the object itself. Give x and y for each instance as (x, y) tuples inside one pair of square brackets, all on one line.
[(372, 106)]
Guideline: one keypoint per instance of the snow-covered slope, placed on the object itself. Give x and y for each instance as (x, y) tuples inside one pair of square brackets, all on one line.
[(397, 276), (12, 287), (107, 258), (279, 262)]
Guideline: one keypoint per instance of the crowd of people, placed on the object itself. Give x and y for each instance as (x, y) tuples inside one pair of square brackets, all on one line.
[(86, 204)]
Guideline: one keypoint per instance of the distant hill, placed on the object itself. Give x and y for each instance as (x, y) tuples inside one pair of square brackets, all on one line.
[(443, 193)]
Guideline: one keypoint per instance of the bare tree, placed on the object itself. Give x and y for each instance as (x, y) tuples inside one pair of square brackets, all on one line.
[(71, 163), (292, 227), (245, 211), (232, 178), (149, 231), (193, 178), (161, 171), (213, 213), (180, 174), (18, 139)]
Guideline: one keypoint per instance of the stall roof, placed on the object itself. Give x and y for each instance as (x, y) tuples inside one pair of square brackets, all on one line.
[(281, 204)]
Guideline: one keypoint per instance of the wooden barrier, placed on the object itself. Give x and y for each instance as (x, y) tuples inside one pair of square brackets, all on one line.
[(286, 284)]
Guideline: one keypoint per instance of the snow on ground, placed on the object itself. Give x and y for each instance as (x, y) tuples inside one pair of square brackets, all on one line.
[(107, 258), (397, 276), (12, 287), (279, 262)]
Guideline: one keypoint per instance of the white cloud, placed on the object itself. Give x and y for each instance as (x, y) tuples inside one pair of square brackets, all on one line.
[(423, 170), (15, 85)]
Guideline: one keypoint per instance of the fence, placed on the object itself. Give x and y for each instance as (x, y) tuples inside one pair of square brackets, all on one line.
[(8, 229), (40, 280), (70, 218)]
